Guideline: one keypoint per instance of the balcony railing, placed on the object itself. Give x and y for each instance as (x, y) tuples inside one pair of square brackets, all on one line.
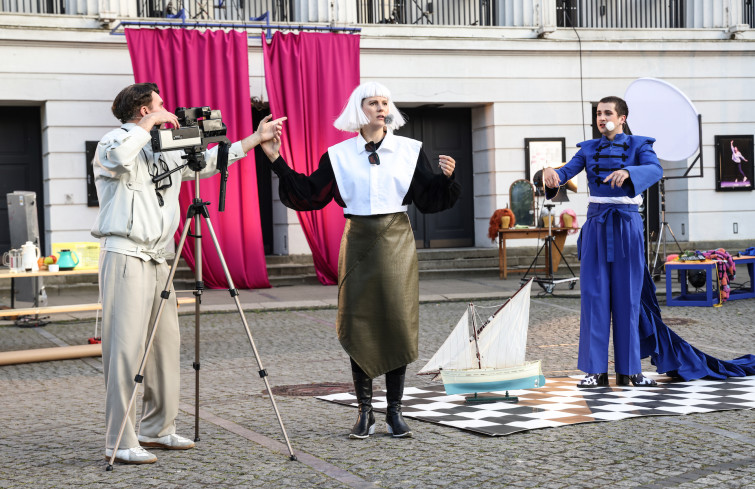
[(428, 12), (615, 14), (621, 14), (238, 10), (748, 13), (33, 6)]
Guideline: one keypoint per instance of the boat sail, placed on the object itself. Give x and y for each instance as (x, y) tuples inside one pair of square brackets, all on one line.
[(492, 357)]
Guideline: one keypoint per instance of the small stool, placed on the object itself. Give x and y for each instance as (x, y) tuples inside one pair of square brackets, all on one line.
[(706, 298)]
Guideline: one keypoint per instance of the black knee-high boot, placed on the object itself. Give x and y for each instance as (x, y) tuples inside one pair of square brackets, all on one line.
[(394, 384), (365, 425)]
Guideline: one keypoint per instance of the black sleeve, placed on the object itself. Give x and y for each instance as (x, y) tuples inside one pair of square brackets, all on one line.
[(306, 193), (431, 192)]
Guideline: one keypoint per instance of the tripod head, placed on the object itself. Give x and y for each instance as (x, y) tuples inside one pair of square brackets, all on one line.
[(194, 158)]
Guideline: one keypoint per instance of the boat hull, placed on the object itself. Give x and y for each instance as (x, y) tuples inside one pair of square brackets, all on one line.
[(469, 381)]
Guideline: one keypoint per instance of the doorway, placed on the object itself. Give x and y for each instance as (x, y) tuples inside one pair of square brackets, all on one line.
[(20, 164), (449, 132)]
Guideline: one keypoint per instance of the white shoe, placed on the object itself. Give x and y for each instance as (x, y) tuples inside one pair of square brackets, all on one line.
[(136, 455), (168, 442)]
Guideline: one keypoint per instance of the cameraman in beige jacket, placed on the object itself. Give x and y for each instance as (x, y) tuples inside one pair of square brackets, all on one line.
[(136, 224)]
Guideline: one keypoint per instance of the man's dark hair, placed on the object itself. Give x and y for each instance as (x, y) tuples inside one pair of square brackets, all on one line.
[(619, 104), (127, 103)]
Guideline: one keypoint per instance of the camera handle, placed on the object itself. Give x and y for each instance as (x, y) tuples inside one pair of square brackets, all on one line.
[(223, 169), (161, 176)]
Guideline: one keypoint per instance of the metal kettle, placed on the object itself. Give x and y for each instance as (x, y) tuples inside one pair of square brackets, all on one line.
[(66, 259)]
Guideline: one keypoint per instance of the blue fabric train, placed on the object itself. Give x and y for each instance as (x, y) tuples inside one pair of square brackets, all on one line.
[(674, 356)]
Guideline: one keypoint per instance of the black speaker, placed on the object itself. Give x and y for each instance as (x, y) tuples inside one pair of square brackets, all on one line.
[(696, 278)]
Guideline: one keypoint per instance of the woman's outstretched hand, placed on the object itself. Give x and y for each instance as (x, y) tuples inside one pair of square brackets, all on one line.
[(271, 147), (268, 129)]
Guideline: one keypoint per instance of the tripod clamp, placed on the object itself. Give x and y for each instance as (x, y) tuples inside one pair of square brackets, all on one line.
[(549, 282), (197, 207)]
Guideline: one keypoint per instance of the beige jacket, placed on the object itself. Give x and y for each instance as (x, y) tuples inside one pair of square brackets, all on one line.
[(131, 220)]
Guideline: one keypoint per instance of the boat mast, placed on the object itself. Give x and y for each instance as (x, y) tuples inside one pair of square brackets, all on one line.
[(474, 333)]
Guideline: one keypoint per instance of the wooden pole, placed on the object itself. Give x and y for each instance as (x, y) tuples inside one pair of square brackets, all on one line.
[(49, 354)]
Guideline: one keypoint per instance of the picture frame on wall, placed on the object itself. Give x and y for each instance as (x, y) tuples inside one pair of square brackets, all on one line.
[(540, 153), (734, 163)]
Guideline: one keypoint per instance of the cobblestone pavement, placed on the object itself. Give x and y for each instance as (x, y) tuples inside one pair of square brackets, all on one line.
[(52, 414)]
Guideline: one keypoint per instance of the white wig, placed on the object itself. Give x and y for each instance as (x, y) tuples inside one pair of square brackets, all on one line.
[(352, 117)]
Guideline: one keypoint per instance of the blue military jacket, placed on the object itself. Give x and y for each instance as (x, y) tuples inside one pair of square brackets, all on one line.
[(600, 157)]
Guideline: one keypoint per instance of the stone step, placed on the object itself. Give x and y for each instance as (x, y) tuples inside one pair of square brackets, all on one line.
[(483, 261), (299, 269), (432, 263)]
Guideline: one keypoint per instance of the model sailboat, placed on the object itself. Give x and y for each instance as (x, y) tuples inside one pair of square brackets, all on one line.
[(491, 357)]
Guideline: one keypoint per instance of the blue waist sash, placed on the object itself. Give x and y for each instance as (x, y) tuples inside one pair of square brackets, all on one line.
[(608, 214)]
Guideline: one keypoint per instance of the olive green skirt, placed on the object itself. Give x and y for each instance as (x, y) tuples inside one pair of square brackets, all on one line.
[(378, 292)]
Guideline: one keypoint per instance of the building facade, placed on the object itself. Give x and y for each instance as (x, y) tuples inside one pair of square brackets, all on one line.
[(502, 71)]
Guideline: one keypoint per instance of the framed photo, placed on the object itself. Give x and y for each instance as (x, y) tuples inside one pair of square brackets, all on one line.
[(734, 163), (540, 153)]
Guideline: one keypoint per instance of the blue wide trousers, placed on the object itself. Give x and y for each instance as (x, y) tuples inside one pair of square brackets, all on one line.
[(611, 249)]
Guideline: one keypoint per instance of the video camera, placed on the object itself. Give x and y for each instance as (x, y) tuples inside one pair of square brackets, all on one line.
[(200, 126)]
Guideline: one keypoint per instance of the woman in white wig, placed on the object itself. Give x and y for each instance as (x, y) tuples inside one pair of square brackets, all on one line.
[(374, 176)]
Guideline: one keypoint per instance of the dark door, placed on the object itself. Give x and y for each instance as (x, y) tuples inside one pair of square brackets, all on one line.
[(20, 164), (449, 132)]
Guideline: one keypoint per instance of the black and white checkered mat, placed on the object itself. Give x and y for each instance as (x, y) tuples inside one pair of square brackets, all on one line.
[(561, 403)]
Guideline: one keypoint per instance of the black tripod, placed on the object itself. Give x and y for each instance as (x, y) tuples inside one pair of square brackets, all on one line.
[(195, 161), (656, 270), (549, 282)]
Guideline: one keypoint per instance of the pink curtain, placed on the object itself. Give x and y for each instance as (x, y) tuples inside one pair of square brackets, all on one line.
[(196, 69), (309, 78)]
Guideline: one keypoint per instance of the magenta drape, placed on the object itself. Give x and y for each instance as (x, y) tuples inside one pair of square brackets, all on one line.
[(196, 69), (309, 78)]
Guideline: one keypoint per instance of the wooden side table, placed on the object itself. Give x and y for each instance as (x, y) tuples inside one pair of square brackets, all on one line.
[(529, 233)]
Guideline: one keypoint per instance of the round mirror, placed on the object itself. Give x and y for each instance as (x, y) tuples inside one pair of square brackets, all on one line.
[(522, 202)]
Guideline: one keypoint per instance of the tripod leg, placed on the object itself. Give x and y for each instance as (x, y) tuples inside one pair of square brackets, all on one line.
[(540, 250), (675, 241), (658, 249), (198, 288), (262, 371), (153, 330)]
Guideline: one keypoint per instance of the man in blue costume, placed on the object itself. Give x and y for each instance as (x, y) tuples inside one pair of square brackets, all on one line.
[(619, 168)]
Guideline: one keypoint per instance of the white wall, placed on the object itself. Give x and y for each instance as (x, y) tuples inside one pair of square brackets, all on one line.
[(518, 86)]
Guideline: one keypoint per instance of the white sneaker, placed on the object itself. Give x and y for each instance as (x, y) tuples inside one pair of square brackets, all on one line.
[(136, 455), (168, 442)]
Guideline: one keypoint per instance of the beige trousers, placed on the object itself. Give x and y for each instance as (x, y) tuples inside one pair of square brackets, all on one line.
[(130, 290)]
